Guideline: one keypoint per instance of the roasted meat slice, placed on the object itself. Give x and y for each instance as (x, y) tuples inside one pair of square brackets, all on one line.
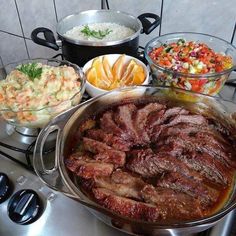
[(122, 184), (108, 125), (172, 204), (148, 164), (202, 144), (127, 207), (86, 167), (123, 118), (163, 116), (104, 152), (189, 119), (140, 120), (112, 140), (190, 186), (209, 167)]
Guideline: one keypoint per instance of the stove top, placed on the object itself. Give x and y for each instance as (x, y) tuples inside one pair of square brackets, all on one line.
[(28, 207)]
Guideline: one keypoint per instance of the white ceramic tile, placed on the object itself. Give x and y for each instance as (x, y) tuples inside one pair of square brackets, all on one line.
[(38, 51), (65, 8), (35, 13), (211, 17), (9, 20), (12, 48), (136, 8)]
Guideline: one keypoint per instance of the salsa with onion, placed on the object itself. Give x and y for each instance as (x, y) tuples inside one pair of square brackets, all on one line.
[(191, 58)]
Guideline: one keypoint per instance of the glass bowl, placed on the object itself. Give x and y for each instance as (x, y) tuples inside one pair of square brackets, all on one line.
[(42, 113), (209, 83)]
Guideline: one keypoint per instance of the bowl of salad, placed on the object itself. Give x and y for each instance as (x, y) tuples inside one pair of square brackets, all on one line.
[(32, 92), (191, 61)]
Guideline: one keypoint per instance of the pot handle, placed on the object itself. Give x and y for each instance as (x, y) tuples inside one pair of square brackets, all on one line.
[(49, 175), (49, 40), (148, 26)]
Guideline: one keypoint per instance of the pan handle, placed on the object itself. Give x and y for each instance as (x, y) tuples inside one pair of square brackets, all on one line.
[(149, 26), (49, 175), (49, 39)]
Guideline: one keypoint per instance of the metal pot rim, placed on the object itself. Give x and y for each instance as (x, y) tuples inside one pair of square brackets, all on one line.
[(98, 43)]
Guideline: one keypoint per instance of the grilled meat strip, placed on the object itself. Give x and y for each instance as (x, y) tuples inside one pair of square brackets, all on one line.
[(104, 152), (86, 167)]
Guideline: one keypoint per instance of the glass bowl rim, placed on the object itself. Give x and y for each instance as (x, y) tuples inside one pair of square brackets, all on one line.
[(197, 76), (79, 72)]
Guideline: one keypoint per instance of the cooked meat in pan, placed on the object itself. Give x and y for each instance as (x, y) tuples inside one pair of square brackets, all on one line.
[(152, 162)]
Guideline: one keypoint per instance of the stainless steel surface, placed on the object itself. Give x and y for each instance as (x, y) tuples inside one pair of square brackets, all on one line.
[(60, 179), (224, 227), (62, 215), (98, 16)]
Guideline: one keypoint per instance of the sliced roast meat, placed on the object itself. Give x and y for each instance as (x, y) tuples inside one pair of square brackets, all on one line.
[(122, 184), (140, 120), (123, 118), (108, 125), (87, 168), (172, 204), (203, 144), (115, 141), (190, 186), (147, 164), (209, 167), (104, 152), (163, 116), (127, 207), (189, 119)]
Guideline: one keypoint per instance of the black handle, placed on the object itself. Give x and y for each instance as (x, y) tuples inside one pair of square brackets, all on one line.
[(148, 26), (49, 40)]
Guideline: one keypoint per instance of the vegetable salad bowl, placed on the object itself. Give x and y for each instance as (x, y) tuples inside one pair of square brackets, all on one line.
[(32, 92), (191, 61)]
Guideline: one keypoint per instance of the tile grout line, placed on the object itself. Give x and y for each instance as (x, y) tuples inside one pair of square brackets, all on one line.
[(162, 3), (19, 36), (55, 9), (22, 29)]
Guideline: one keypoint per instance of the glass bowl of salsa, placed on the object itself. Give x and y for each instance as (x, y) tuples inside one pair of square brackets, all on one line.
[(192, 61)]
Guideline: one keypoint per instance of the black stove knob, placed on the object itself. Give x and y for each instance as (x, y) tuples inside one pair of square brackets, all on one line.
[(24, 207), (5, 187)]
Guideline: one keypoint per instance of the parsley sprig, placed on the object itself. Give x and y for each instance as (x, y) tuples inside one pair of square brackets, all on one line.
[(31, 70), (96, 34)]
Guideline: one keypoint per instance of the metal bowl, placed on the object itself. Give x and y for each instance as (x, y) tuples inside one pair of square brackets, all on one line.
[(43, 113), (58, 177)]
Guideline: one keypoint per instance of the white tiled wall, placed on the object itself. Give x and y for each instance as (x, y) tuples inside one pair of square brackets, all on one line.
[(19, 17)]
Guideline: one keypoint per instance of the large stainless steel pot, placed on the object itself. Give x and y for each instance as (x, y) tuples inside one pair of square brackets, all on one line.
[(57, 177), (81, 51)]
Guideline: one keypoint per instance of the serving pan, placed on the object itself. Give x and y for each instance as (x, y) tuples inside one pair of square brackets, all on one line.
[(81, 51), (56, 175)]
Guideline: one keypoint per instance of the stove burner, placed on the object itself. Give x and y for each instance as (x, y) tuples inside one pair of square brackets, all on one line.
[(5, 187), (24, 207), (22, 134)]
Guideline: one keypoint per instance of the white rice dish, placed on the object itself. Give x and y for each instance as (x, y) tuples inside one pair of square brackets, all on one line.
[(115, 32)]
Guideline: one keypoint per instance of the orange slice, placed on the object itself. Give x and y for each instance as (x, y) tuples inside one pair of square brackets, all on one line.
[(91, 75), (118, 68), (127, 77), (138, 75), (101, 75), (107, 68)]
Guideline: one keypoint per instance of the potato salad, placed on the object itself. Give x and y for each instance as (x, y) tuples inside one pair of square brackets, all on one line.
[(32, 87)]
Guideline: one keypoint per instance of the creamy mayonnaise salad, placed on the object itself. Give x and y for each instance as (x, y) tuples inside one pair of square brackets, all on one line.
[(30, 88)]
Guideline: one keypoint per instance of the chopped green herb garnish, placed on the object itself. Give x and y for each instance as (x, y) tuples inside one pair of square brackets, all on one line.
[(180, 41), (32, 70), (96, 34)]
